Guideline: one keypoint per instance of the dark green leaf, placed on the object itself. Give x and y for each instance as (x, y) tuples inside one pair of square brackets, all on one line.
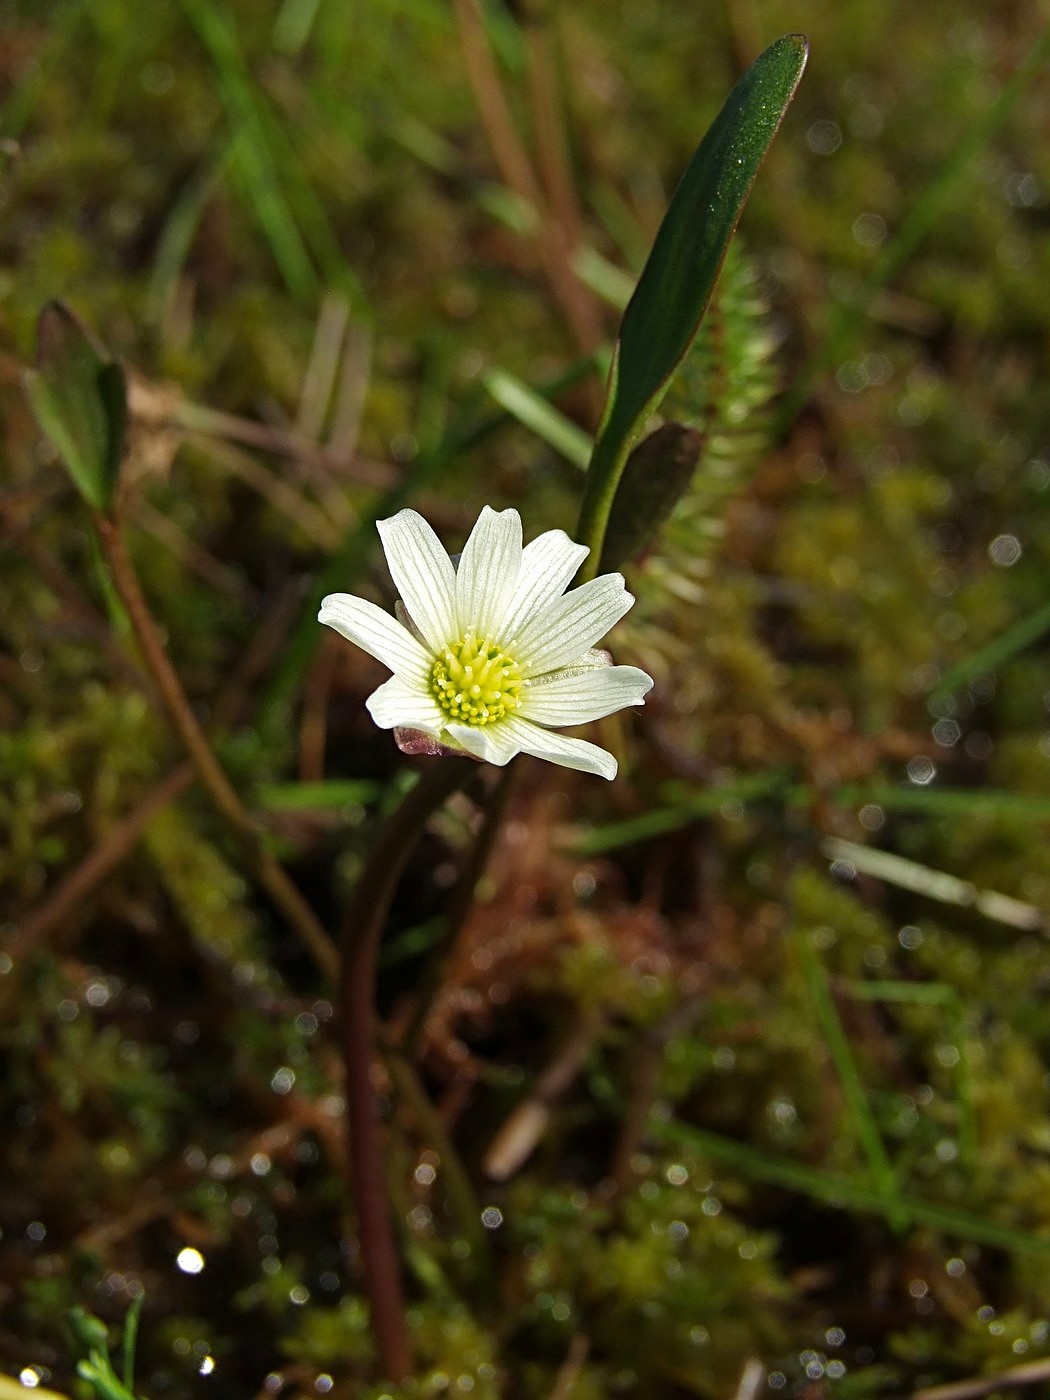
[(78, 396), (673, 291), (657, 473)]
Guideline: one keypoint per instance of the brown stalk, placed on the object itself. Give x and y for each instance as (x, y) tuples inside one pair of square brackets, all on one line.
[(363, 926), (269, 874), (91, 871), (1030, 1373), (508, 150)]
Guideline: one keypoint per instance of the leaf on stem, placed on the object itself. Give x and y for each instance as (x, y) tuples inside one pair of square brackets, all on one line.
[(657, 473), (673, 291), (78, 395)]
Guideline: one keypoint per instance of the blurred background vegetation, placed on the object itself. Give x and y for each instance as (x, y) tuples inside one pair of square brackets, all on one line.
[(732, 1078)]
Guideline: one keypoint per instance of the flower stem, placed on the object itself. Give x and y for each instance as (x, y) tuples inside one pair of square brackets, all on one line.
[(362, 930), (270, 875)]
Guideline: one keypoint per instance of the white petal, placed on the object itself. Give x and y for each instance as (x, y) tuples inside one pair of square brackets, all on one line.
[(405, 703), (488, 571), (559, 634), (548, 564), (493, 743), (376, 632), (558, 748), (584, 695), (423, 574)]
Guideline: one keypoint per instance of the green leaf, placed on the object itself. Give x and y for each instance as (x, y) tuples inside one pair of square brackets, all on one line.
[(657, 473), (673, 291), (537, 414), (78, 395), (843, 1192)]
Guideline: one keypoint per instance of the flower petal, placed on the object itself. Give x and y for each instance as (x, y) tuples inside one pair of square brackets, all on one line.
[(548, 564), (580, 696), (488, 571), (560, 633), (423, 574), (492, 743), (376, 632), (557, 748), (404, 702)]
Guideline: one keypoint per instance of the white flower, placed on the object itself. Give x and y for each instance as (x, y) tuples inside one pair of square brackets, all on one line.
[(493, 652)]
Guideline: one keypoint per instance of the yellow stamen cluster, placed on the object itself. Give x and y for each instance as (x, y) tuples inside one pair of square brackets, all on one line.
[(475, 682)]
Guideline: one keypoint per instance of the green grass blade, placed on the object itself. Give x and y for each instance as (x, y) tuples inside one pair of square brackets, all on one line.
[(680, 811), (314, 797), (78, 397), (251, 161), (673, 291), (647, 825), (539, 416), (995, 654), (865, 1129), (946, 998), (844, 1193)]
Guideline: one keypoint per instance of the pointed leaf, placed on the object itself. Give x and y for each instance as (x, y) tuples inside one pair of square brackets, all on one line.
[(664, 314), (78, 396), (658, 471)]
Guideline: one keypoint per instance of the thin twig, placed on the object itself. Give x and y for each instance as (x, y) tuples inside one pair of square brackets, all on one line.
[(194, 557), (94, 868), (510, 155), (271, 876), (569, 1371), (751, 1380), (280, 442), (517, 1139), (1031, 1373), (363, 926), (548, 119)]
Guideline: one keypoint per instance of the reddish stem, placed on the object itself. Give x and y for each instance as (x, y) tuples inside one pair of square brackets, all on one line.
[(362, 931)]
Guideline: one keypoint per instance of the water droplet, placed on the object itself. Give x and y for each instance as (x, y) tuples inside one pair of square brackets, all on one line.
[(869, 230), (921, 770), (824, 138), (1005, 550)]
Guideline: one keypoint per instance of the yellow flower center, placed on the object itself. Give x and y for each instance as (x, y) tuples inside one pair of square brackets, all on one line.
[(475, 682)]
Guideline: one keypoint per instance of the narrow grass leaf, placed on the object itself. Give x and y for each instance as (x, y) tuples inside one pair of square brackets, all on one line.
[(995, 654), (845, 1193), (313, 797), (78, 396), (539, 416), (865, 1129)]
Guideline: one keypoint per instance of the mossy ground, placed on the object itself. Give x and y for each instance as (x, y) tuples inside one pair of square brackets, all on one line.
[(803, 1118)]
